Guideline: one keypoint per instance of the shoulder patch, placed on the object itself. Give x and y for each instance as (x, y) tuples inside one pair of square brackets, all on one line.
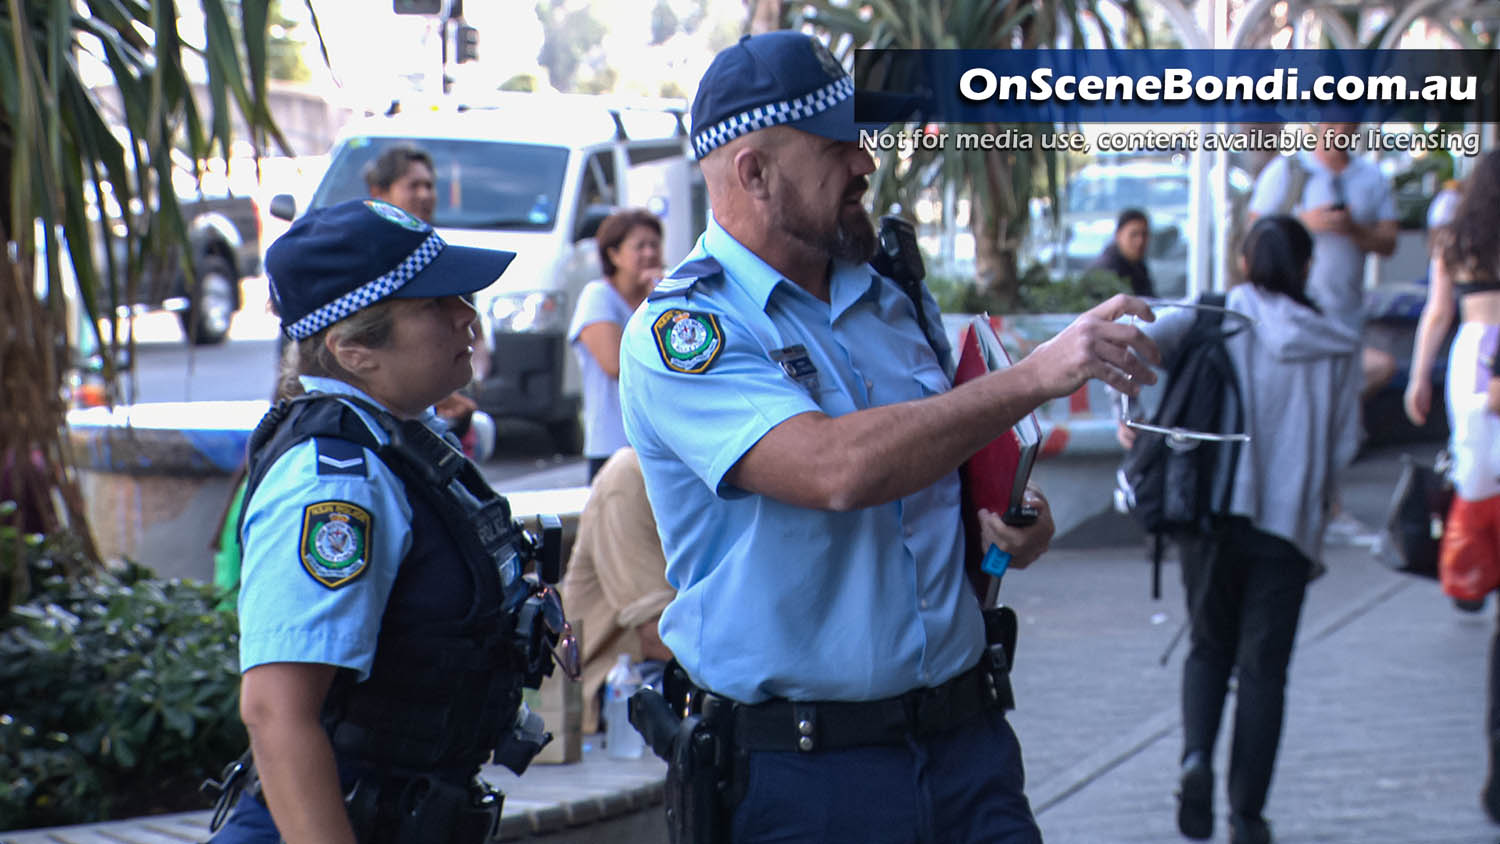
[(689, 341), (335, 542), (339, 457), (684, 276)]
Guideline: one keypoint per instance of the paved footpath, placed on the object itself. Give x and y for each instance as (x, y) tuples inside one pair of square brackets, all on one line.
[(1382, 742), (1385, 702)]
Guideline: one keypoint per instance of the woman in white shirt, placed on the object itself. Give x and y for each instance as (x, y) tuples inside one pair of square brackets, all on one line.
[(630, 253)]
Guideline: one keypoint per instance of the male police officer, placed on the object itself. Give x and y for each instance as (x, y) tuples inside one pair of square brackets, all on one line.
[(799, 440)]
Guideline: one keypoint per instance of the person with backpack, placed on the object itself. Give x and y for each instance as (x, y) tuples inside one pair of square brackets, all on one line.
[(1246, 564)]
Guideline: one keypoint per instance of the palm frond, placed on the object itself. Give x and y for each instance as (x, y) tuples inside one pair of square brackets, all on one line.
[(94, 182)]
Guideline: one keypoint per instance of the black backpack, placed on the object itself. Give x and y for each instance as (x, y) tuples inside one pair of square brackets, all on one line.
[(1181, 487)]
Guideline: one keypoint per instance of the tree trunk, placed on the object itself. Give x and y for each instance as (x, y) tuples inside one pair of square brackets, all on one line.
[(35, 467), (994, 254), (765, 16), (994, 260)]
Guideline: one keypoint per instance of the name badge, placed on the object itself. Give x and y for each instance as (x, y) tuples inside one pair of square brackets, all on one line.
[(798, 366)]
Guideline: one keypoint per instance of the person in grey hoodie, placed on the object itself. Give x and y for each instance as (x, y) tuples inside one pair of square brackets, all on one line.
[(1245, 586)]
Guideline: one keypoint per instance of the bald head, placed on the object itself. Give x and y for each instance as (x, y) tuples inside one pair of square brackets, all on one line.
[(783, 191), (739, 168)]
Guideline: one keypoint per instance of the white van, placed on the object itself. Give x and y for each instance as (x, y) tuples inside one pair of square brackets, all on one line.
[(535, 174)]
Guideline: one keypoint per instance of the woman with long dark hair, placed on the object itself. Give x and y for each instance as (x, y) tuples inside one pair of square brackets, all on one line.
[(1466, 268), (1245, 584)]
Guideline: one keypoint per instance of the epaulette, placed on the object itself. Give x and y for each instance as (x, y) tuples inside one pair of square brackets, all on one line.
[(685, 276)]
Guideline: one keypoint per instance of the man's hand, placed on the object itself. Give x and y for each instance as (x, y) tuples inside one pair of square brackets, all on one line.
[(1327, 218), (1025, 544), (1095, 346), (456, 408), (1125, 436)]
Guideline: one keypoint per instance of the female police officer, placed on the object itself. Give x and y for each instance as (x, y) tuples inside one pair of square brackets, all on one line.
[(380, 644)]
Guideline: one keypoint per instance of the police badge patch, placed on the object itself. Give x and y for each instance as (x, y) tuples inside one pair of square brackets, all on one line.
[(396, 215), (689, 341), (335, 542), (825, 58)]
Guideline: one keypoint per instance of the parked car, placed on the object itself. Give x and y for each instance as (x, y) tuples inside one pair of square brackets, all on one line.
[(223, 229), (225, 235), (534, 174)]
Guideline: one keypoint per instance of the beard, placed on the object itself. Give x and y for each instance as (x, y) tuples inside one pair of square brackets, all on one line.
[(848, 237), (854, 239)]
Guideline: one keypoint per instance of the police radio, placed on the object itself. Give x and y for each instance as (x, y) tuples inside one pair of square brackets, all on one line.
[(897, 256)]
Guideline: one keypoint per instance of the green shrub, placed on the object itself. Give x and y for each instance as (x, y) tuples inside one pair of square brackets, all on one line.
[(1040, 294), (121, 692)]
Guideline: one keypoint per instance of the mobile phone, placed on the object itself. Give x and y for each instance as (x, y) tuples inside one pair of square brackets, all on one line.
[(1019, 515)]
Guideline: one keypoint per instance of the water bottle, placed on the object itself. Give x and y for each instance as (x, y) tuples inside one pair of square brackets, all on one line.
[(621, 741)]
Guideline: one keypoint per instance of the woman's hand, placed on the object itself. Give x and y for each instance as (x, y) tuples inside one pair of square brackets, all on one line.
[(1024, 544), (1418, 399)]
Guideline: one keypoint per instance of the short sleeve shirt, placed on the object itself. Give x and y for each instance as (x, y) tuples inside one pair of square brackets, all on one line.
[(1335, 280), (776, 600), (303, 597), (603, 430)]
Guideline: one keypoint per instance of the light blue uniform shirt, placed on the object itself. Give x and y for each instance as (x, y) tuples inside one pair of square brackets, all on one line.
[(775, 600), (288, 615)]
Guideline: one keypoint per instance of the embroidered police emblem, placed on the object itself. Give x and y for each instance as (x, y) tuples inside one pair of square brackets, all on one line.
[(688, 340), (825, 58), (335, 542), (396, 215)]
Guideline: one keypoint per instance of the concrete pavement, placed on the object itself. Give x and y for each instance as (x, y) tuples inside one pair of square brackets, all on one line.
[(1385, 701)]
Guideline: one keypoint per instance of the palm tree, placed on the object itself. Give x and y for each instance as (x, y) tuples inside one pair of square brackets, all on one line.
[(76, 175), (998, 182)]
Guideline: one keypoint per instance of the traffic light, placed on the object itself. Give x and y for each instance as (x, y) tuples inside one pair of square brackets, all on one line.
[(468, 43), (418, 7)]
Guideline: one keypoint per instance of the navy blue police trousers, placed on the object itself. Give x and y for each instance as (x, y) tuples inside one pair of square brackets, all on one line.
[(966, 785)]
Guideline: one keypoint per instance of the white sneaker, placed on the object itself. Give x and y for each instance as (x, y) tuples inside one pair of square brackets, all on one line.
[(1344, 529)]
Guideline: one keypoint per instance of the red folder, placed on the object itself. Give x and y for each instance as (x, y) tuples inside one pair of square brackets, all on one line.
[(995, 477)]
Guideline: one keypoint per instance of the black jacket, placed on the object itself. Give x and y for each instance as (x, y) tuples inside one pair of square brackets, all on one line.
[(1135, 273)]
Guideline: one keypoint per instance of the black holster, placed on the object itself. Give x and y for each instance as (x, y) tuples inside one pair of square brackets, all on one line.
[(1001, 630), (423, 810), (699, 751)]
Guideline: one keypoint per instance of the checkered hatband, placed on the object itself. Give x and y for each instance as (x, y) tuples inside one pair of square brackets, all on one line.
[(772, 114), (368, 293)]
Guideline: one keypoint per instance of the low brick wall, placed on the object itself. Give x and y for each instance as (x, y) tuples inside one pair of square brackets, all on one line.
[(155, 478)]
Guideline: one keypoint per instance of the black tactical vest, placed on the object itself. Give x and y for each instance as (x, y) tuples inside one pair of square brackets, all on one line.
[(446, 682)]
